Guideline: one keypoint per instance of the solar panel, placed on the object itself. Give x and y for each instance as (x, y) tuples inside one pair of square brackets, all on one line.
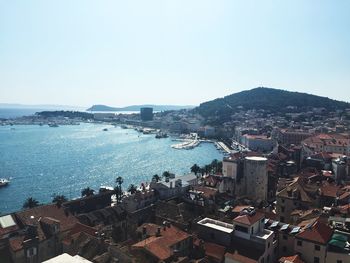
[(274, 224), (284, 227), (295, 230)]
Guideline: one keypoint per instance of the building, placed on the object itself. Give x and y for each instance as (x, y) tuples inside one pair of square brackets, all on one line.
[(66, 258), (311, 243), (161, 243), (288, 136), (255, 175), (331, 143), (260, 143), (146, 114)]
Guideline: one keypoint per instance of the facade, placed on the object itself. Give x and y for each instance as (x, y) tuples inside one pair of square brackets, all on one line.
[(260, 143), (255, 175), (146, 114), (287, 136)]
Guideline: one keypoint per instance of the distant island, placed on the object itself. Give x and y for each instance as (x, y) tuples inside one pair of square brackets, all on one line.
[(138, 107)]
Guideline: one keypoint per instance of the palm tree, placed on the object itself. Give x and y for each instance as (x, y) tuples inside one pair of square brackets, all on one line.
[(87, 192), (30, 203), (156, 178), (166, 174), (195, 169), (132, 189), (59, 199), (119, 192)]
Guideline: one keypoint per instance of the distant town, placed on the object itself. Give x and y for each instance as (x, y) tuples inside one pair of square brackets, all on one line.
[(281, 193)]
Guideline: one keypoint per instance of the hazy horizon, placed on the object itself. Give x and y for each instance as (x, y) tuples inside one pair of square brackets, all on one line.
[(80, 53)]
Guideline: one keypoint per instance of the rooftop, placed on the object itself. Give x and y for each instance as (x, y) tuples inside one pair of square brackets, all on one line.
[(218, 225), (65, 258)]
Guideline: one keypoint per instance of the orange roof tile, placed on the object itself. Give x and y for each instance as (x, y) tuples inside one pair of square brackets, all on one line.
[(318, 232), (249, 219)]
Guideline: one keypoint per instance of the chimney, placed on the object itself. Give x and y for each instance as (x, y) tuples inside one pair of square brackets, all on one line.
[(158, 232)]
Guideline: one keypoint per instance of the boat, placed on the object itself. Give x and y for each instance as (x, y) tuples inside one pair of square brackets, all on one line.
[(161, 135), (53, 125), (4, 182), (105, 129)]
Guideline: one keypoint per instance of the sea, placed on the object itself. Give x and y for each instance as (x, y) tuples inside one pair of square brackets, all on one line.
[(42, 161)]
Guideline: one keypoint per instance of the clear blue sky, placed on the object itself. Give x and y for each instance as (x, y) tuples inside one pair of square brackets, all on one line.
[(170, 52)]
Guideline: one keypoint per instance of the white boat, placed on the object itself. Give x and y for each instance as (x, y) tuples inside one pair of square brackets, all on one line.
[(4, 182)]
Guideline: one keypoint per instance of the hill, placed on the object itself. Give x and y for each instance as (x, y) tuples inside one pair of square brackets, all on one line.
[(138, 107), (269, 99)]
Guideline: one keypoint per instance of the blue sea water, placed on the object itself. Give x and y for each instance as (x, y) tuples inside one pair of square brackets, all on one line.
[(42, 161)]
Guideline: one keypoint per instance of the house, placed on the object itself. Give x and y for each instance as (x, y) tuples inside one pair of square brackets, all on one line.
[(41, 231), (311, 243), (162, 243)]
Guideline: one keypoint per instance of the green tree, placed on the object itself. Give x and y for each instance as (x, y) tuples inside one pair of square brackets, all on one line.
[(195, 169), (87, 192), (132, 189), (166, 174), (30, 203), (156, 178), (119, 191), (59, 199)]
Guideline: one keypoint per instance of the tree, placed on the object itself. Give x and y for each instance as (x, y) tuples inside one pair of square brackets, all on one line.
[(132, 189), (30, 203), (195, 169), (156, 178), (166, 174), (119, 192), (87, 192), (59, 199)]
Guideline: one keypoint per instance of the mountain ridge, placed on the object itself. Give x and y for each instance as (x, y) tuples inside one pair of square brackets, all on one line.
[(267, 99)]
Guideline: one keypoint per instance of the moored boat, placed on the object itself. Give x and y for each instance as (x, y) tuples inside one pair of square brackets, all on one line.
[(4, 182)]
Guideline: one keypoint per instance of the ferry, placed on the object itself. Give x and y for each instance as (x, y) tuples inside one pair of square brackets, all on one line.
[(4, 182), (53, 125)]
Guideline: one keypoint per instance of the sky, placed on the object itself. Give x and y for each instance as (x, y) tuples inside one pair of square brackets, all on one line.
[(180, 52)]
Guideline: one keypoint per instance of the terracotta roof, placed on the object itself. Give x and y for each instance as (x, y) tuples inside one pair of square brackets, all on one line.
[(249, 219), (79, 228), (16, 243), (214, 251), (50, 212), (329, 190), (318, 232), (240, 258), (160, 246), (239, 208), (291, 259), (207, 191)]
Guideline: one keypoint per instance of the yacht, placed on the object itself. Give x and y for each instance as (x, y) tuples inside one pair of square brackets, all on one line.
[(4, 182), (53, 125)]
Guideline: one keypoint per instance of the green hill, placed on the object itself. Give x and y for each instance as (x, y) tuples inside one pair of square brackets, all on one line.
[(273, 100)]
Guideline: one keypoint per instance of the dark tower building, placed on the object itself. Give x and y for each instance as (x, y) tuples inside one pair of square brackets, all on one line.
[(146, 114)]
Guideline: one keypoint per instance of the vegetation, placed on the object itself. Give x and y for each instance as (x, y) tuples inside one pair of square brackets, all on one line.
[(118, 189), (87, 192), (156, 178), (30, 203), (166, 174), (132, 189), (272, 100), (59, 199), (195, 169)]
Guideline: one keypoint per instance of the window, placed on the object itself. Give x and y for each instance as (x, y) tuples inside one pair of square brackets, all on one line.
[(282, 209), (212, 236), (318, 248), (31, 252), (285, 237), (282, 201), (339, 261), (282, 219), (268, 245), (299, 243), (316, 260)]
